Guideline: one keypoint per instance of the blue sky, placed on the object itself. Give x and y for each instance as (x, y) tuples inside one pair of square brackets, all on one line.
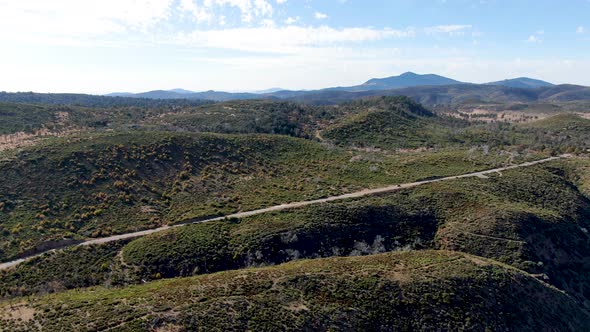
[(245, 45)]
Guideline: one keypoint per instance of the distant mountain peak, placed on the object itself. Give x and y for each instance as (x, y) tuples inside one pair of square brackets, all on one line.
[(522, 82), (181, 91), (406, 80)]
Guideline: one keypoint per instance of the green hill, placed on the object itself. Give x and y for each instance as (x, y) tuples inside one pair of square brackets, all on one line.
[(384, 122), (533, 219), (503, 251), (28, 118), (565, 121), (405, 291), (522, 218), (97, 184), (246, 116)]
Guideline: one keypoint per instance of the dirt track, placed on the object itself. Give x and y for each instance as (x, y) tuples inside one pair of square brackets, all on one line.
[(362, 193)]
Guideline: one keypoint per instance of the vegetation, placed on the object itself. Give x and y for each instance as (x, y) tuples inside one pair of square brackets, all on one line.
[(31, 118), (101, 184), (71, 268), (388, 122), (399, 123), (513, 218), (339, 230), (92, 100), (408, 291), (241, 117), (504, 252)]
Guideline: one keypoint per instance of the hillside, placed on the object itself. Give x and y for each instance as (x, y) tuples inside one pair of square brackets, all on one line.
[(452, 94), (284, 165), (98, 184), (132, 168), (91, 100), (404, 80), (522, 82), (247, 116), (565, 122), (412, 291), (387, 122), (565, 93), (431, 91), (30, 118), (520, 217)]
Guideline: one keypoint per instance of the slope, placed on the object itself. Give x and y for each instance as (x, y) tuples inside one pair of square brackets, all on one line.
[(522, 82), (408, 291), (98, 184)]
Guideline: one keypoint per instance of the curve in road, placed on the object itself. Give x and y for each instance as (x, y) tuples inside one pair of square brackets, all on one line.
[(362, 193)]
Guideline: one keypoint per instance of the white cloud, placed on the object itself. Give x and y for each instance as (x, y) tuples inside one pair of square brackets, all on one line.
[(70, 18), (325, 65), (533, 39), (249, 9), (292, 20), (288, 39), (320, 16), (199, 13), (79, 17), (451, 29), (280, 2), (581, 29), (536, 38)]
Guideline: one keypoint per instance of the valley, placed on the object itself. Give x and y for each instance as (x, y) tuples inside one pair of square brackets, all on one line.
[(294, 215), (281, 165), (286, 206)]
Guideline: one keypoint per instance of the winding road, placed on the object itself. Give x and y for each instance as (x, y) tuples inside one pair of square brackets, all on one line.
[(362, 193)]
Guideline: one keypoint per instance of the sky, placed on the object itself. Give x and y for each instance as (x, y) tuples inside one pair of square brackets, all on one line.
[(247, 45)]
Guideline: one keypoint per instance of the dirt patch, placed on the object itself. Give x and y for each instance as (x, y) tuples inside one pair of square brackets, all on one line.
[(484, 115), (417, 150), (169, 328), (19, 311), (478, 261), (22, 139), (148, 209), (62, 117), (297, 306)]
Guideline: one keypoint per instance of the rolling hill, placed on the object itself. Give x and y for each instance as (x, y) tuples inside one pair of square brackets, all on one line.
[(432, 290), (185, 94), (86, 100), (427, 89), (453, 94), (404, 80), (522, 82), (504, 251)]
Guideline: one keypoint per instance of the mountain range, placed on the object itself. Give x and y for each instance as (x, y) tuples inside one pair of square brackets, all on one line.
[(405, 80), (429, 90), (522, 82)]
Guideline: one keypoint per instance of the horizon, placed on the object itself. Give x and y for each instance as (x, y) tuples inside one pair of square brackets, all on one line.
[(113, 46), (262, 91)]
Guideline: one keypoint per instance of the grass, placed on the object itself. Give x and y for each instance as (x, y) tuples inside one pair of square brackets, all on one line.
[(513, 218), (98, 184), (519, 218), (430, 290), (247, 116), (101, 182), (397, 123)]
